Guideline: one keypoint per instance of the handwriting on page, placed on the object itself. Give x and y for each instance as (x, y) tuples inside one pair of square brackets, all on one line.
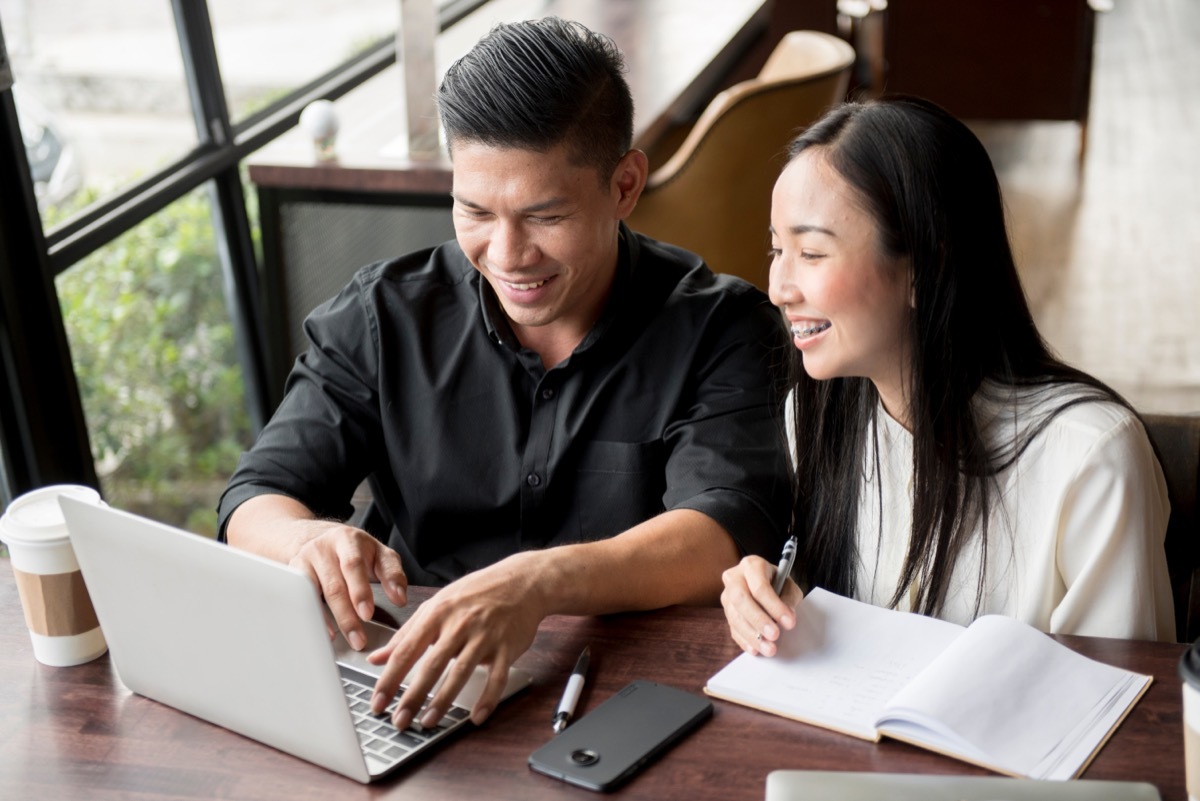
[(846, 671), (856, 694), (853, 668)]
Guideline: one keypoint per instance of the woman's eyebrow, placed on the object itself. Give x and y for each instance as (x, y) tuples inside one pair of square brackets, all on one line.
[(805, 229), (810, 229)]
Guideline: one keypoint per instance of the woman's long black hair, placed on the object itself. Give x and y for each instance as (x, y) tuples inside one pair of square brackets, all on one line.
[(930, 187)]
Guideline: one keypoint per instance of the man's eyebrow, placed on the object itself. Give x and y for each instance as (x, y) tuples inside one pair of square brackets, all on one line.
[(550, 203), (464, 201)]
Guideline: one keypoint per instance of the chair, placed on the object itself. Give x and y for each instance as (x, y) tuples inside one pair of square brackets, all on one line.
[(1177, 440), (713, 196)]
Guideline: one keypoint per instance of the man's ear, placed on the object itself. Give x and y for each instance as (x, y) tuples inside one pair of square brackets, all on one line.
[(628, 181)]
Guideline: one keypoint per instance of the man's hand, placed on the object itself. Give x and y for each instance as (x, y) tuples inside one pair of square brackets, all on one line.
[(491, 616), (341, 560), (755, 613), (488, 618)]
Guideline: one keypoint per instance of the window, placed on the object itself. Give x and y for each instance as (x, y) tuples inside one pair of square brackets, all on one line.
[(262, 60), (155, 358), (101, 93), (130, 350)]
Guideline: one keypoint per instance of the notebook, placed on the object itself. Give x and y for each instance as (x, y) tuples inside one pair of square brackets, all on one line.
[(240, 641), (997, 693), (805, 785)]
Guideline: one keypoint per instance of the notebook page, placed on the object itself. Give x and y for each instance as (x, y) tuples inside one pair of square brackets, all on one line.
[(840, 664), (1014, 694), (1085, 740)]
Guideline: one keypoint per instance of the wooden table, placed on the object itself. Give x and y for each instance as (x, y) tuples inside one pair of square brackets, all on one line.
[(77, 733), (321, 220)]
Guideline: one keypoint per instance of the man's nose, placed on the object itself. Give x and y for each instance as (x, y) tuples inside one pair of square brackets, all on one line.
[(510, 247)]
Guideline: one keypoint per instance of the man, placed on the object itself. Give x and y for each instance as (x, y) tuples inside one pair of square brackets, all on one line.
[(566, 417)]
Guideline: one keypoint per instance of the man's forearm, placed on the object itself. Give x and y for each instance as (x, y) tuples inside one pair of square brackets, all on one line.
[(674, 558), (491, 616), (274, 526)]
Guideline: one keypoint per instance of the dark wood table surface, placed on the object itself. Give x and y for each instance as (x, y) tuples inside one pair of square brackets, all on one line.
[(77, 733), (676, 52)]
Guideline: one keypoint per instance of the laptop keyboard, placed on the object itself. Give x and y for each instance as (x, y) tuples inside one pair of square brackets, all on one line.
[(383, 744)]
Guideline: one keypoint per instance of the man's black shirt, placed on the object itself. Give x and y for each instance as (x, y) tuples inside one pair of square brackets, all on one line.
[(414, 374)]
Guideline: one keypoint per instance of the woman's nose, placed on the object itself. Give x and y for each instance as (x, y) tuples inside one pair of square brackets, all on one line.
[(782, 288)]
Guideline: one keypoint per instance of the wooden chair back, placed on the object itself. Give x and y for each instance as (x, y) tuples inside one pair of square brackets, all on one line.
[(713, 196)]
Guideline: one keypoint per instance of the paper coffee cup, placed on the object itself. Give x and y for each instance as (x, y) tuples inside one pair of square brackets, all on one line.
[(58, 611), (1189, 671)]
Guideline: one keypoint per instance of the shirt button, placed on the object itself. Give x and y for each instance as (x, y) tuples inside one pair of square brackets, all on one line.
[(547, 393), (533, 479)]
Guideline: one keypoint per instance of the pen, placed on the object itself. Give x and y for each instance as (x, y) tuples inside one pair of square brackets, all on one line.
[(785, 563), (570, 697)]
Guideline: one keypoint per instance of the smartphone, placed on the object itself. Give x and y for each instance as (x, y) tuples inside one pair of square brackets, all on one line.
[(605, 747)]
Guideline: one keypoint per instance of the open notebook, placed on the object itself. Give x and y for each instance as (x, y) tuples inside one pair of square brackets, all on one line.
[(998, 693), (240, 641)]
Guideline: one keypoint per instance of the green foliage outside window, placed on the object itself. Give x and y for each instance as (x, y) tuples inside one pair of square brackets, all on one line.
[(155, 359)]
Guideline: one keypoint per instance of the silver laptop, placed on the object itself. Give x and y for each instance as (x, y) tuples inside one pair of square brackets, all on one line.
[(241, 641), (813, 785)]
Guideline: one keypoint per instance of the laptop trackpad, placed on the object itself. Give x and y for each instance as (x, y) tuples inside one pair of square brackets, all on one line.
[(377, 636)]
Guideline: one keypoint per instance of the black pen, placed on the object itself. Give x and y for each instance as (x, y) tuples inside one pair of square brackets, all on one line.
[(785, 563), (566, 707)]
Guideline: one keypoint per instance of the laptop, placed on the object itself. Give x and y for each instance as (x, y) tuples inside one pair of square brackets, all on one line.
[(813, 785), (240, 641)]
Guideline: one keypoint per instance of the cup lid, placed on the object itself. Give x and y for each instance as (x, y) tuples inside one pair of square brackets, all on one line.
[(1189, 666), (36, 517)]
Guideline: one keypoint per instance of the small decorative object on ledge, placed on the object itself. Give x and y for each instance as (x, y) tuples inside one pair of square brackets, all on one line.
[(320, 121)]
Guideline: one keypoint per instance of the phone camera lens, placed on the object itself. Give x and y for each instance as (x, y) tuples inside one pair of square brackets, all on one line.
[(584, 756)]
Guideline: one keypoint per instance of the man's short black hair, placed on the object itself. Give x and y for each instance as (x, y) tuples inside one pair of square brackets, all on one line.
[(537, 84)]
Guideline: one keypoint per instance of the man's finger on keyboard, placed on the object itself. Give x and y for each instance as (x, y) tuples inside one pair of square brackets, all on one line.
[(421, 682), (451, 683), (397, 658)]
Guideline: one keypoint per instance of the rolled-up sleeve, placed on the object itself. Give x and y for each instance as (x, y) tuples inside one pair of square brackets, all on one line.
[(323, 439), (728, 455)]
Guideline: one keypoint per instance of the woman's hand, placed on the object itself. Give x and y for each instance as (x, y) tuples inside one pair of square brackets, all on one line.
[(756, 615)]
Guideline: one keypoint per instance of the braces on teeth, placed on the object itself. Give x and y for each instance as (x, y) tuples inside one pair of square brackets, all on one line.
[(797, 331)]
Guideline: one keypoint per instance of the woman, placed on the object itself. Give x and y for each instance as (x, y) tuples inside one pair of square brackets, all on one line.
[(947, 463)]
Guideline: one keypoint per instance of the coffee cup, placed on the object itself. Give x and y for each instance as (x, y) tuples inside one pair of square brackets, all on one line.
[(58, 611), (1189, 671)]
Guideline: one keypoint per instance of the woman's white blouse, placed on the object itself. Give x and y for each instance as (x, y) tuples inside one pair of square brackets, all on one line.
[(1075, 538)]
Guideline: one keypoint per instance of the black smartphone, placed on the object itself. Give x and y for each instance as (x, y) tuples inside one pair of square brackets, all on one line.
[(605, 747)]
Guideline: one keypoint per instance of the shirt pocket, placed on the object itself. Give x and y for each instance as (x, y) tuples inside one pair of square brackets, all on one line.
[(618, 485)]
